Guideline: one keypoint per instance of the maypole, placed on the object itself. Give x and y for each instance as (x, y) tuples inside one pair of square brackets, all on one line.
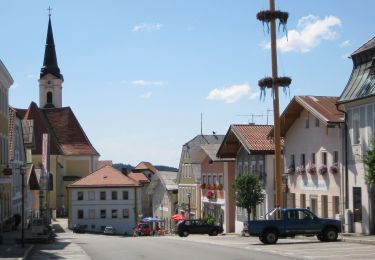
[(269, 17)]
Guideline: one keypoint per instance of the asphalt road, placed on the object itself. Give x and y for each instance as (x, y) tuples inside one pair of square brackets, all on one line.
[(195, 247)]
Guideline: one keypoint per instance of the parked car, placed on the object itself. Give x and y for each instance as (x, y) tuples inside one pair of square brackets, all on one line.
[(291, 222), (197, 226), (142, 229), (109, 230), (78, 228)]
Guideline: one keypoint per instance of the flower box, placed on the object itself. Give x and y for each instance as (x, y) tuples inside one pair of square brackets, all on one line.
[(333, 168), (220, 186), (323, 169), (203, 186), (311, 169), (301, 169)]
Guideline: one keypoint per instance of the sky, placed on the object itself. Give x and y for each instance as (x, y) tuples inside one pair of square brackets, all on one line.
[(139, 74)]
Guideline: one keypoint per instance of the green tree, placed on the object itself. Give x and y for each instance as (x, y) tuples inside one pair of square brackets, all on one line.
[(369, 161), (248, 193)]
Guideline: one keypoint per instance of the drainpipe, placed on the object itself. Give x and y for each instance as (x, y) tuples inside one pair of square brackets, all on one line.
[(346, 156)]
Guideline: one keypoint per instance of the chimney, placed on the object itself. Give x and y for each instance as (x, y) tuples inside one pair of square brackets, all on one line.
[(124, 171)]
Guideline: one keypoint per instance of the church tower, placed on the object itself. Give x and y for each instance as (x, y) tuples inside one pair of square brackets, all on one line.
[(50, 79)]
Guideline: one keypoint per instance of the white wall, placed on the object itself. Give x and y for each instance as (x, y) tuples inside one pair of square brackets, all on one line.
[(121, 224)]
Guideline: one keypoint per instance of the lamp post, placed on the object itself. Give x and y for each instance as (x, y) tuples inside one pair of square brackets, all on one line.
[(22, 172), (189, 196)]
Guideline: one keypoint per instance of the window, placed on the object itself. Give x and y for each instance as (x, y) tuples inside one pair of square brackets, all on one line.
[(307, 122), (103, 213), (317, 122), (292, 161), (49, 97), (335, 157), (336, 205), (239, 169), (204, 179), (324, 158), (125, 213), (80, 195), (91, 213), (80, 213), (221, 179), (114, 195), (303, 160), (91, 195), (125, 195), (114, 213), (214, 179), (313, 158), (102, 195), (209, 179), (357, 204), (356, 134)]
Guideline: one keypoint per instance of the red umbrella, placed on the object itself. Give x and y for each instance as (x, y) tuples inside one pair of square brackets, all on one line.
[(178, 217)]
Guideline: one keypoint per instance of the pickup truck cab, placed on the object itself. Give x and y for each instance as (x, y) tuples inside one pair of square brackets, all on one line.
[(291, 222)]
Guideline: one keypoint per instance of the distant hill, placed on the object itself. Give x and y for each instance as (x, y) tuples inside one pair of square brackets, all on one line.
[(120, 166)]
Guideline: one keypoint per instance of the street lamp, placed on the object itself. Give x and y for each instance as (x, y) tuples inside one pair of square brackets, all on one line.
[(189, 196), (22, 172)]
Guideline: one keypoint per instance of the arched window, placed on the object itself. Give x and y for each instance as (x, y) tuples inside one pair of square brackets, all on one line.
[(49, 97)]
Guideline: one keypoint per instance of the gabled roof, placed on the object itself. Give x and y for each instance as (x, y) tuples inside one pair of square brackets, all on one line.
[(145, 166), (67, 136), (139, 177), (211, 151), (252, 137), (105, 177), (103, 163), (321, 107), (361, 83), (168, 179)]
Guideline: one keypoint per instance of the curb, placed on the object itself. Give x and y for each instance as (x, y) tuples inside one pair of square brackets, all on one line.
[(358, 241)]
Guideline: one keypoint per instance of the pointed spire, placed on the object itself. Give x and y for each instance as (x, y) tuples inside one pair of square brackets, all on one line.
[(50, 60)]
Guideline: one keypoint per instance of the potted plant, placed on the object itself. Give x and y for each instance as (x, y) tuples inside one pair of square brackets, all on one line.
[(333, 168), (220, 186), (323, 169), (203, 186), (311, 169)]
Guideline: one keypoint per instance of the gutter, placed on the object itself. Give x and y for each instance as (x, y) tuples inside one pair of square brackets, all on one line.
[(346, 155)]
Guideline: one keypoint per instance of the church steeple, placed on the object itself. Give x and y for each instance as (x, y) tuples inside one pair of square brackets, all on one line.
[(50, 60), (50, 80)]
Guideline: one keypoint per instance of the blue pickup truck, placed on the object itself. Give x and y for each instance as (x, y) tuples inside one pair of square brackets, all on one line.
[(291, 222)]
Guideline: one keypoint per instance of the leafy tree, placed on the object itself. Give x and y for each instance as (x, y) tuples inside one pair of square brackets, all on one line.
[(248, 193), (369, 161)]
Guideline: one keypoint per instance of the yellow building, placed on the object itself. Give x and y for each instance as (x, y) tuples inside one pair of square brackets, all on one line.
[(72, 154), (5, 181)]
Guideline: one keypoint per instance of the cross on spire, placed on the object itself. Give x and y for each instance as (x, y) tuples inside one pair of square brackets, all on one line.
[(49, 10)]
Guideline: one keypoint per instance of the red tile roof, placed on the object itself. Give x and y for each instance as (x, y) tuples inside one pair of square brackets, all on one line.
[(138, 176), (252, 137), (321, 107), (67, 135), (105, 177), (146, 166), (103, 163)]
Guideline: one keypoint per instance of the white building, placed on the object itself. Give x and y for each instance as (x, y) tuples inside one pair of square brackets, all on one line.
[(312, 130), (106, 197), (358, 102)]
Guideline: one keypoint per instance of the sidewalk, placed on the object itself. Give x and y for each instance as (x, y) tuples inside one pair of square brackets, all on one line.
[(357, 238), (10, 250)]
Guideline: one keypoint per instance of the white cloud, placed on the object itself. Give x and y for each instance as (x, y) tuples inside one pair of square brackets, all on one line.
[(146, 95), (309, 33), (142, 82), (232, 93), (345, 44), (147, 27)]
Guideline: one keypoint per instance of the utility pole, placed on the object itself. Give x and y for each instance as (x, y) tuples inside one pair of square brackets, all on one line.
[(269, 17)]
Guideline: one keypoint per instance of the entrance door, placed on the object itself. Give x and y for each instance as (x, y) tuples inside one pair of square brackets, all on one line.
[(314, 204)]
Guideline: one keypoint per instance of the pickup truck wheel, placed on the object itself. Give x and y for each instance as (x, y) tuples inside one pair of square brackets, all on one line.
[(330, 234), (185, 233), (270, 237), (320, 237)]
